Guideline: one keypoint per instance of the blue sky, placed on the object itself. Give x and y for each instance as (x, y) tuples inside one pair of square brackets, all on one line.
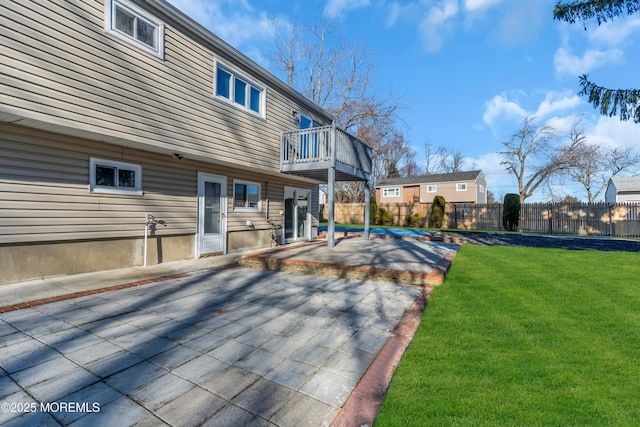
[(465, 71)]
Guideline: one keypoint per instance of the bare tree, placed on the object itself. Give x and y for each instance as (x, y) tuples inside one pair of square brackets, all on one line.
[(534, 154), (439, 159), (391, 156), (336, 75), (287, 54), (333, 73), (598, 164)]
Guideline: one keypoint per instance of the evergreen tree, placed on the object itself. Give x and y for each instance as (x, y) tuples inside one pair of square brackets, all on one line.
[(622, 102)]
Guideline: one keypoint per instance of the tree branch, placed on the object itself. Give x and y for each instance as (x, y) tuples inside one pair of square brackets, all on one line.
[(601, 10)]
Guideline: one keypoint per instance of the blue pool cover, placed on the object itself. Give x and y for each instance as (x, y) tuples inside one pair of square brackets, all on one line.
[(385, 231)]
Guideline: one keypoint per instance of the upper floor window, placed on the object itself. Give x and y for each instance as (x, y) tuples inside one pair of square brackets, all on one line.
[(391, 192), (239, 90), (136, 26), (432, 188), (461, 186), (108, 176)]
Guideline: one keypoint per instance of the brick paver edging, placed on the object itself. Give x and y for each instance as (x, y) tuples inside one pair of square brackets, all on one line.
[(363, 405), (73, 295)]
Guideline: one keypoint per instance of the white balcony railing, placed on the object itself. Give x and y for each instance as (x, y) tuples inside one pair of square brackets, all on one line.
[(324, 147)]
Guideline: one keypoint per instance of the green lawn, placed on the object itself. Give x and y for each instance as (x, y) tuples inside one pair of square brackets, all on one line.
[(525, 336)]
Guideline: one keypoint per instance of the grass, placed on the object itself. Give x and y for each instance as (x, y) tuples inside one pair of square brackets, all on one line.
[(525, 336)]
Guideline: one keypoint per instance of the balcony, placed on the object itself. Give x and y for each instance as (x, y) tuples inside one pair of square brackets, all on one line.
[(312, 152)]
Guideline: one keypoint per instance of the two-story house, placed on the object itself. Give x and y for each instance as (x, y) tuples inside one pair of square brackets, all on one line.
[(457, 187), (122, 116)]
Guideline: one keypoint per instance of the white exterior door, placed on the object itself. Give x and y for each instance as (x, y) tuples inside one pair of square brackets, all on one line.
[(212, 214), (297, 218)]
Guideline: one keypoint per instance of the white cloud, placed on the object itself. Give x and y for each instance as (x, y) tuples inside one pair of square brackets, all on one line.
[(335, 8), (435, 25), (565, 62), (499, 107), (611, 132), (402, 12), (614, 33), (473, 5), (555, 102), (235, 22)]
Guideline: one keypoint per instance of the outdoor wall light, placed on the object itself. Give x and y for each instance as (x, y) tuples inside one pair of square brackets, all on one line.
[(177, 156), (296, 116)]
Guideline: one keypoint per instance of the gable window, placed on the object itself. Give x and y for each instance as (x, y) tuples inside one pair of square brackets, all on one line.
[(432, 188), (239, 91), (391, 192), (108, 176), (136, 26), (461, 186), (246, 196)]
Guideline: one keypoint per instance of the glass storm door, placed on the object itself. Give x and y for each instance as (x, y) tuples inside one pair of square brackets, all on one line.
[(212, 200), (296, 206)]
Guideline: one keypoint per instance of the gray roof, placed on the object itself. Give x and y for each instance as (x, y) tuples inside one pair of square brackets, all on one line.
[(431, 179), (626, 183)]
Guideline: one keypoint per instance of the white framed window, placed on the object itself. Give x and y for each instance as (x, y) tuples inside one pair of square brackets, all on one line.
[(461, 186), (109, 176), (246, 196), (238, 90), (128, 22), (391, 192), (432, 188)]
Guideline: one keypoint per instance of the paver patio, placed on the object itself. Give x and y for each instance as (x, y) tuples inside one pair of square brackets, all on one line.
[(233, 347)]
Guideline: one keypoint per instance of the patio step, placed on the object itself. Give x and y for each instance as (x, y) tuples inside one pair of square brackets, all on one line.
[(292, 265)]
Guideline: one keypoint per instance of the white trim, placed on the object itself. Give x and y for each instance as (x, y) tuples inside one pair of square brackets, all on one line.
[(247, 208), (110, 7), (250, 84), (432, 188), (202, 176), (461, 186), (386, 191), (307, 220), (94, 188)]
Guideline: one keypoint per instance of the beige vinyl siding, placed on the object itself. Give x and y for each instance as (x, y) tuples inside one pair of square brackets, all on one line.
[(45, 196), (62, 68), (449, 192), (44, 191)]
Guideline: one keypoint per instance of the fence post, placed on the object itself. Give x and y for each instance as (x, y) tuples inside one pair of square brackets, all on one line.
[(455, 216)]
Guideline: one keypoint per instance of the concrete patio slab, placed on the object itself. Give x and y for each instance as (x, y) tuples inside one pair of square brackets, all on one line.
[(409, 261), (219, 346)]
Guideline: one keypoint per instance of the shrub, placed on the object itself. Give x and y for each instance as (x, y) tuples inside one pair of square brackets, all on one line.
[(384, 217), (414, 220), (373, 210), (437, 212), (511, 212)]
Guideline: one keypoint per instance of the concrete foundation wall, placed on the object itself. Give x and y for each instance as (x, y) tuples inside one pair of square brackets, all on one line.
[(32, 261)]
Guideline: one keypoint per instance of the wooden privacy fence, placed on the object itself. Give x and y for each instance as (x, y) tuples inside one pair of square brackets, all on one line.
[(600, 219)]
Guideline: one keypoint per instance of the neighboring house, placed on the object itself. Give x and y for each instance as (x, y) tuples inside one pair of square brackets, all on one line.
[(623, 190), (111, 110), (458, 187)]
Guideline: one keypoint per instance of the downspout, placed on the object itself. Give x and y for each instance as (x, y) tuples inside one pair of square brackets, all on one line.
[(266, 187)]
